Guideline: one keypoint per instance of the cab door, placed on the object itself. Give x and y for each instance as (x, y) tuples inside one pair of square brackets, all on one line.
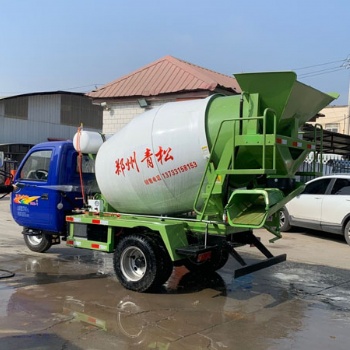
[(336, 206), (305, 210), (34, 204)]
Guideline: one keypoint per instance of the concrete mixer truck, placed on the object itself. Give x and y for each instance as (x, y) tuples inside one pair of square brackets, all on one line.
[(182, 184)]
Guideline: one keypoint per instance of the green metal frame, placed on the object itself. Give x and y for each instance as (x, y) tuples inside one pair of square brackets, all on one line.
[(248, 135), (172, 230)]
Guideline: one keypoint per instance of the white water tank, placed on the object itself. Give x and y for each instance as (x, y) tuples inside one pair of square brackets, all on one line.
[(87, 141)]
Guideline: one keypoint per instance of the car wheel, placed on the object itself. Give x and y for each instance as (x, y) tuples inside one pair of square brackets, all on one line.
[(347, 232), (38, 243), (284, 220)]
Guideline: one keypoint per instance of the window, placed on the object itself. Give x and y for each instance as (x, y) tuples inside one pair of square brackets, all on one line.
[(341, 187), (79, 109), (37, 166), (86, 163), (317, 187), (16, 107), (333, 127)]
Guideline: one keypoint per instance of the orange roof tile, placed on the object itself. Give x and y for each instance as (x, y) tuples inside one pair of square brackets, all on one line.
[(166, 75)]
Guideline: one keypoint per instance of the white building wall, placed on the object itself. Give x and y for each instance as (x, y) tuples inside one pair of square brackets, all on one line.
[(43, 122), (336, 117), (119, 114), (13, 130)]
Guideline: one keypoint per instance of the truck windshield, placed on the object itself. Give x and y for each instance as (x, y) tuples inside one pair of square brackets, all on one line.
[(37, 166)]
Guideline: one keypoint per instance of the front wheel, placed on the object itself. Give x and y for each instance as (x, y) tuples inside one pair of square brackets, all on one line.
[(347, 232), (137, 263), (284, 220), (38, 243)]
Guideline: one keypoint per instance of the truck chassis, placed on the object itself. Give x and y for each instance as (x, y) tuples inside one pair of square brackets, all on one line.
[(146, 249)]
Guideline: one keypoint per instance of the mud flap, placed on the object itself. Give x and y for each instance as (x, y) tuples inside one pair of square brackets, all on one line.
[(249, 238), (55, 239)]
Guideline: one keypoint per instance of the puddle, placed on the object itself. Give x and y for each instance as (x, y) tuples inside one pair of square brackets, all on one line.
[(78, 299), (319, 329), (5, 296)]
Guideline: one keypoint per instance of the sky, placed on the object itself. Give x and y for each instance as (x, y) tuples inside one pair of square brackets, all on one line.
[(78, 45)]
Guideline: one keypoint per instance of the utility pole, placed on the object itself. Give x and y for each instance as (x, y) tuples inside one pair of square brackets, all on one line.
[(348, 118), (347, 66)]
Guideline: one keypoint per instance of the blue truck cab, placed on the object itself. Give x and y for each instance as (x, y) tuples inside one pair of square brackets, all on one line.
[(49, 188)]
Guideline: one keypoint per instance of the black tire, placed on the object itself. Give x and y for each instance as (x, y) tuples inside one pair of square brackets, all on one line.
[(137, 263), (347, 232), (221, 260), (39, 243), (165, 262), (284, 220), (217, 261)]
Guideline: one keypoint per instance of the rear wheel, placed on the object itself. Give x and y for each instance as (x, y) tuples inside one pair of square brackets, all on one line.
[(347, 232), (284, 220), (165, 262), (217, 261), (138, 263), (38, 243)]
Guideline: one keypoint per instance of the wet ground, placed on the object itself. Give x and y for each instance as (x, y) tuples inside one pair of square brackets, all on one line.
[(69, 299)]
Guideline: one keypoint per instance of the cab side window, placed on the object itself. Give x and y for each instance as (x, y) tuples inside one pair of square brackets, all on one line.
[(317, 187), (341, 187), (37, 166)]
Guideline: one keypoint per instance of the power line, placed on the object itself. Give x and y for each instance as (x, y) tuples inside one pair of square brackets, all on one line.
[(322, 64), (345, 64), (84, 86), (320, 72)]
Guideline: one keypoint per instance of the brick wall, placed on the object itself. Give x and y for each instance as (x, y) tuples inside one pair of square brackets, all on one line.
[(119, 114)]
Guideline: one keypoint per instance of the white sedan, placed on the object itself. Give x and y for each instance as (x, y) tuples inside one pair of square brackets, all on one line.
[(324, 205)]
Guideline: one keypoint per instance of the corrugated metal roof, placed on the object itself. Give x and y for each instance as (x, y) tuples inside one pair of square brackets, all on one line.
[(58, 92), (166, 75)]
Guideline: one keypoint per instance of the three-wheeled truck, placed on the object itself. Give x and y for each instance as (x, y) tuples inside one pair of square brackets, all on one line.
[(182, 184)]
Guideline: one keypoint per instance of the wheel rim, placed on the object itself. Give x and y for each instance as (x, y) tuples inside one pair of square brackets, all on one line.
[(282, 218), (35, 240), (347, 235), (133, 264)]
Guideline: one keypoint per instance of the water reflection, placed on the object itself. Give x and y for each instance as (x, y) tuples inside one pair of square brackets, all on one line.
[(191, 311), (5, 292)]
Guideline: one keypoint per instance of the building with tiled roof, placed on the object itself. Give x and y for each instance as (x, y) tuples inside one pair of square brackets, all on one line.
[(165, 80)]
